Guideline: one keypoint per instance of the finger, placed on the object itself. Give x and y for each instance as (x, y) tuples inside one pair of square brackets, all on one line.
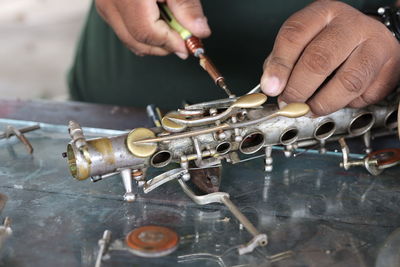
[(291, 40), (351, 80), (323, 55), (113, 18), (142, 20), (190, 14), (386, 81)]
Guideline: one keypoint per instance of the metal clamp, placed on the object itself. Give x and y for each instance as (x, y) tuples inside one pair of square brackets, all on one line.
[(259, 239), (370, 164), (163, 178)]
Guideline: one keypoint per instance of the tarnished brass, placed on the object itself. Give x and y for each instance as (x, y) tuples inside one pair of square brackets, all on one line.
[(246, 101), (170, 125), (293, 110), (139, 149), (104, 147), (250, 101), (79, 171), (181, 135)]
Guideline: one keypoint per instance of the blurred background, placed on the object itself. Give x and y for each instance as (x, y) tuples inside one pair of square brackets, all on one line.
[(37, 42)]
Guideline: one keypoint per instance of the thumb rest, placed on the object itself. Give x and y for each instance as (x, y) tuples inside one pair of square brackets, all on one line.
[(205, 134)]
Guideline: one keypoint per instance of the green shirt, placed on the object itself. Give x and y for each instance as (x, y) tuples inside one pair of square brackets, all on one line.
[(105, 71)]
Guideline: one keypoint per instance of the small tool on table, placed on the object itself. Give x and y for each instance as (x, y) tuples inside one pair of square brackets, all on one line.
[(195, 47), (19, 133)]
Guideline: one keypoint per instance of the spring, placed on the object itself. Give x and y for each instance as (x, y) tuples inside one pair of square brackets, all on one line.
[(195, 46)]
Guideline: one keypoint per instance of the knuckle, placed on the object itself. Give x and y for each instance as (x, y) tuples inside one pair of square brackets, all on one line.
[(291, 93), (292, 32), (278, 62), (352, 80), (141, 36), (337, 6), (318, 60), (366, 100), (318, 108), (371, 97), (147, 36), (320, 8)]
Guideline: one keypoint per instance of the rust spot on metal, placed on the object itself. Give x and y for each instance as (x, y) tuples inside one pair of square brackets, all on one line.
[(207, 180), (137, 173)]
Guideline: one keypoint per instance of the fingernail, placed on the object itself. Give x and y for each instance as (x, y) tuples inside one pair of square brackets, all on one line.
[(181, 55), (270, 85), (281, 104)]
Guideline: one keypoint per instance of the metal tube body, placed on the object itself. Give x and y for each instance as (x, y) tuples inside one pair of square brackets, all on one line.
[(106, 155)]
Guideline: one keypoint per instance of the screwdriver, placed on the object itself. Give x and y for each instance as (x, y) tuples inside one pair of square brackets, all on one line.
[(195, 47)]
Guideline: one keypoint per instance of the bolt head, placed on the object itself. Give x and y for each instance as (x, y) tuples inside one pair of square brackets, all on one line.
[(287, 153), (129, 197), (222, 136), (238, 138), (268, 161), (268, 168), (186, 177)]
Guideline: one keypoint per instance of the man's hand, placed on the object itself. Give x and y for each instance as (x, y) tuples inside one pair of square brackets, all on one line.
[(354, 59), (138, 25)]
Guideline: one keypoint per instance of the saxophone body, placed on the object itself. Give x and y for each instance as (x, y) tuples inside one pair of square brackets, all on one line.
[(203, 135)]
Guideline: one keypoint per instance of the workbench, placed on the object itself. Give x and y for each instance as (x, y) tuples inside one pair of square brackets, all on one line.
[(314, 212)]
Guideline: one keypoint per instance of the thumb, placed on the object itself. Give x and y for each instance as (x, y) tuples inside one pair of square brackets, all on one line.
[(190, 14)]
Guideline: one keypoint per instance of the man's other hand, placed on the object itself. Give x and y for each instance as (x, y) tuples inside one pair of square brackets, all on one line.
[(352, 59), (138, 25)]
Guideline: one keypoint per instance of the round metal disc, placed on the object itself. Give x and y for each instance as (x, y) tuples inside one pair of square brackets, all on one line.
[(386, 157), (152, 241), (141, 150)]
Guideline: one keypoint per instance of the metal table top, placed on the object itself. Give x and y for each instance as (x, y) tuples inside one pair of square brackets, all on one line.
[(315, 213)]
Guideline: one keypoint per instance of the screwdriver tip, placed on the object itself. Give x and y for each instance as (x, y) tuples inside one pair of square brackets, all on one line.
[(226, 89)]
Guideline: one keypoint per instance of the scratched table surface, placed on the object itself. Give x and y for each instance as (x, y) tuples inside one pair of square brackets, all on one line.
[(314, 213)]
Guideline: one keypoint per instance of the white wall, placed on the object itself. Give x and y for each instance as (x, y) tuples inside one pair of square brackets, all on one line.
[(37, 42)]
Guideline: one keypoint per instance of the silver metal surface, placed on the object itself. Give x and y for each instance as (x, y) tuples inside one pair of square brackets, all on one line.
[(104, 243), (163, 178), (102, 162), (126, 175), (259, 239), (371, 165)]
